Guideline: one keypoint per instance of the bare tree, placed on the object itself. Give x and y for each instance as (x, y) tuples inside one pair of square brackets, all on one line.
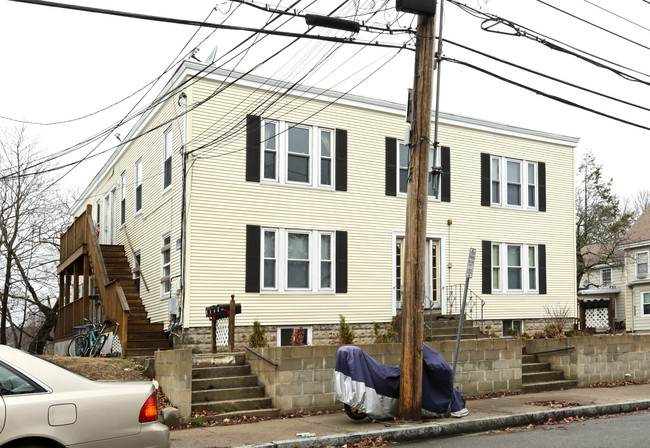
[(32, 216), (601, 221), (638, 202)]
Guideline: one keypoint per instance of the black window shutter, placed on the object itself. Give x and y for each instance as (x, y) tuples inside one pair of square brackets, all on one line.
[(485, 179), (341, 160), (541, 259), (486, 257), (253, 241), (341, 261), (445, 181), (541, 179), (391, 166), (253, 143)]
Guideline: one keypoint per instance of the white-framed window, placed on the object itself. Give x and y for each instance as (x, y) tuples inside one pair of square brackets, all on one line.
[(645, 303), (641, 265), (136, 270), (295, 154), (514, 183), (138, 186), (294, 336), (167, 159), (606, 277), (165, 267), (512, 328), (403, 155), (514, 268), (123, 198), (432, 282), (295, 260)]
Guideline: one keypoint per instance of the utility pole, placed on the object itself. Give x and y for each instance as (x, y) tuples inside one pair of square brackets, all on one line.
[(410, 402)]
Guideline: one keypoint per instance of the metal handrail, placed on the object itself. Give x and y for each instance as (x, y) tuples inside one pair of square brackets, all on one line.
[(473, 308)]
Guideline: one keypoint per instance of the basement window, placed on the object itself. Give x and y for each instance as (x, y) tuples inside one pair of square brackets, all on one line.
[(512, 328), (294, 336)]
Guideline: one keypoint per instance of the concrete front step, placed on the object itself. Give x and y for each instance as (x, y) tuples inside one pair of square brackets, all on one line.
[(259, 413), (548, 386), (221, 371), (224, 383), (218, 359), (532, 367), (539, 377), (233, 405), (236, 393)]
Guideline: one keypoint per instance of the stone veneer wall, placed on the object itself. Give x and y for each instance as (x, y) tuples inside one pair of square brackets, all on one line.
[(594, 359), (304, 376), (174, 374)]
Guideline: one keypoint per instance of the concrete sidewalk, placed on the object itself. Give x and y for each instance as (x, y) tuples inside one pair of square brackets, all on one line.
[(487, 414)]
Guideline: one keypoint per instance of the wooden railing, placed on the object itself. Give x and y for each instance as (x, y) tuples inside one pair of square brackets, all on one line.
[(81, 239)]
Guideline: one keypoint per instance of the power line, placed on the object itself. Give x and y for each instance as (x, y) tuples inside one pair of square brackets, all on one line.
[(512, 64), (593, 24), (617, 15), (547, 95), (208, 25)]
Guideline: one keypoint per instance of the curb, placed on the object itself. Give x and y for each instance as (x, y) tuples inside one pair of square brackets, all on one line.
[(432, 430)]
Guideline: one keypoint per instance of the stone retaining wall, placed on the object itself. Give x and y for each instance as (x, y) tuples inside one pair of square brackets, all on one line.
[(594, 359), (304, 376), (174, 374)]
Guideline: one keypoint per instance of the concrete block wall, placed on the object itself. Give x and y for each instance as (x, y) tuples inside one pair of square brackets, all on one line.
[(304, 376), (594, 359), (174, 374)]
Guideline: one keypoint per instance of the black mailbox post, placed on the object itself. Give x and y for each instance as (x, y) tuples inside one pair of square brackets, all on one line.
[(222, 311)]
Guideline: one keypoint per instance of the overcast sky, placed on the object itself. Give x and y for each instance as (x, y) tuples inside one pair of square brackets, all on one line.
[(60, 64)]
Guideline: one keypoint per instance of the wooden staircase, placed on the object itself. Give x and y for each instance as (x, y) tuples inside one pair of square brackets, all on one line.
[(538, 377), (225, 388), (144, 337)]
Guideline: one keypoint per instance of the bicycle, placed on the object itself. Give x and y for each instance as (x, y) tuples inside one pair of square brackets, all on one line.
[(91, 342)]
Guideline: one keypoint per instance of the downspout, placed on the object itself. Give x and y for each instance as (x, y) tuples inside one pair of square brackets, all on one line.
[(183, 212)]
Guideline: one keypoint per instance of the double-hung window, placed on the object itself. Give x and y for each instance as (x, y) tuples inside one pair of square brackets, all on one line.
[(606, 278), (138, 186), (123, 198), (514, 267), (513, 183), (433, 280), (296, 154), (645, 303), (403, 170), (166, 270), (167, 159), (297, 260), (641, 264)]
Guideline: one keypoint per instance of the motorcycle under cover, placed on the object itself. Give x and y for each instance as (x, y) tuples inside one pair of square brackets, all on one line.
[(373, 388)]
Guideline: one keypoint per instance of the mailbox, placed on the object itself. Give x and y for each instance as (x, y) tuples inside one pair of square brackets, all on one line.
[(221, 311)]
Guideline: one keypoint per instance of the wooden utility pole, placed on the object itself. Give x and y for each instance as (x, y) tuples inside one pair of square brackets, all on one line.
[(410, 402)]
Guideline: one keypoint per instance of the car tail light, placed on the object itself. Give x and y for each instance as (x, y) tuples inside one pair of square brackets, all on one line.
[(149, 411)]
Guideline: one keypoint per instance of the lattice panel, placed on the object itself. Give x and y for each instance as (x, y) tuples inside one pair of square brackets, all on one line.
[(597, 318), (221, 332)]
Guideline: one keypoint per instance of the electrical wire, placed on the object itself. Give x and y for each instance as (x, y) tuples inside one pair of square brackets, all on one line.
[(593, 24), (512, 64), (618, 15), (541, 93)]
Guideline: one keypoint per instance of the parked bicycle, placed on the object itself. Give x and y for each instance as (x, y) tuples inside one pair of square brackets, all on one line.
[(90, 342)]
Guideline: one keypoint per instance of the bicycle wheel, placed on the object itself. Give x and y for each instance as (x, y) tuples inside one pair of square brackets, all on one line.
[(96, 349), (78, 346)]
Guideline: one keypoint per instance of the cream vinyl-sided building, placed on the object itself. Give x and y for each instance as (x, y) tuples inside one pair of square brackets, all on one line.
[(294, 201)]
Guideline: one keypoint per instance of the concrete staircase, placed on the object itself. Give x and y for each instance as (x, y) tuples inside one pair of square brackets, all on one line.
[(223, 387), (538, 376), (439, 327)]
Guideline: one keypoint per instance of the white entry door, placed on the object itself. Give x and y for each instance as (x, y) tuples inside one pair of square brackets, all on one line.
[(108, 219)]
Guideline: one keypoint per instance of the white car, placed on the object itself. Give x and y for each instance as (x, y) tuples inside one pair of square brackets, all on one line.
[(45, 406)]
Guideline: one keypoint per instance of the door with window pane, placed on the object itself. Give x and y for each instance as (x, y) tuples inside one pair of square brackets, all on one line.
[(433, 280)]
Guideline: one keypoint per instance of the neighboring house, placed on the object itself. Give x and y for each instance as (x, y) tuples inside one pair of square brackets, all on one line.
[(295, 198), (624, 283)]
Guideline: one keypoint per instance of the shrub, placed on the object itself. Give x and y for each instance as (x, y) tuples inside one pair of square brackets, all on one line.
[(258, 338), (387, 335), (346, 334)]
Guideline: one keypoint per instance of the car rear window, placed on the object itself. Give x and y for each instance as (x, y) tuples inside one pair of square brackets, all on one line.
[(13, 382)]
